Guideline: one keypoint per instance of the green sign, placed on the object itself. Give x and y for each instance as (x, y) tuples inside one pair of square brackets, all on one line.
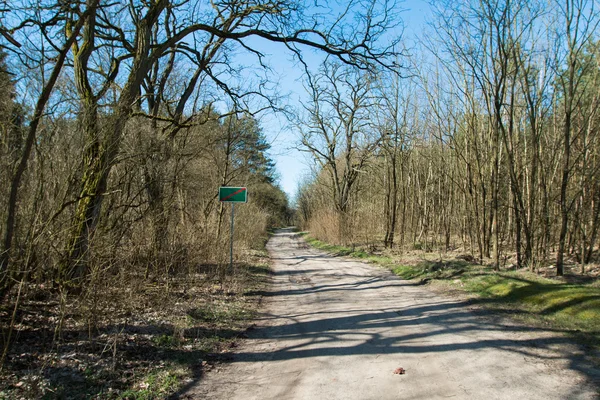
[(233, 194)]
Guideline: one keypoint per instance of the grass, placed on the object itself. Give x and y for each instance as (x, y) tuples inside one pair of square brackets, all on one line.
[(558, 304), (427, 270), (347, 251), (572, 307), (221, 313), (156, 385), (562, 305)]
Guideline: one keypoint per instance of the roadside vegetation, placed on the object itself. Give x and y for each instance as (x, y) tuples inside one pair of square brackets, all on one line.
[(134, 339)]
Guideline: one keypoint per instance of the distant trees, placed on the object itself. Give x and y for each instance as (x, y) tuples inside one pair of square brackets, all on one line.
[(580, 22), (338, 131)]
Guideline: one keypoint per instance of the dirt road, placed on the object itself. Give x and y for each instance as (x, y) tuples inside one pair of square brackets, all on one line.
[(338, 329)]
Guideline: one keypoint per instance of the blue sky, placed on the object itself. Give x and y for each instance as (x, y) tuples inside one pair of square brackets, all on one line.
[(293, 165)]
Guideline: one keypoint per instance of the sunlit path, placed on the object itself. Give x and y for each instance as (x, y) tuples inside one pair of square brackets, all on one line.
[(338, 329)]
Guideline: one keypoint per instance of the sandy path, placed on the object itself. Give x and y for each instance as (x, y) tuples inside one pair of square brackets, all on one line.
[(337, 329)]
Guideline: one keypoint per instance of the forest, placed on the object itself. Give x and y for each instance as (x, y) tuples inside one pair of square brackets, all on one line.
[(488, 142), (120, 121)]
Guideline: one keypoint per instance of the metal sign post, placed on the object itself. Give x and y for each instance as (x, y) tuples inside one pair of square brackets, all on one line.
[(232, 195), (231, 240)]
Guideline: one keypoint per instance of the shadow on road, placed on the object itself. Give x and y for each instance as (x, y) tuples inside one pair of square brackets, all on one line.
[(340, 333)]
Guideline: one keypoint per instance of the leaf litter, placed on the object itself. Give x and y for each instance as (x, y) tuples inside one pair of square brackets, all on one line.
[(147, 347)]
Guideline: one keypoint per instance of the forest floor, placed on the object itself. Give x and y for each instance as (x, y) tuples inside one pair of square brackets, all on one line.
[(133, 339), (338, 328)]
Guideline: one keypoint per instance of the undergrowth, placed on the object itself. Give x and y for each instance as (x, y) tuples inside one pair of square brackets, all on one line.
[(146, 341)]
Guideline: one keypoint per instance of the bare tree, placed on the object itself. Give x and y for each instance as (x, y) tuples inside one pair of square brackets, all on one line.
[(338, 131), (394, 114), (580, 20), (225, 24), (59, 61)]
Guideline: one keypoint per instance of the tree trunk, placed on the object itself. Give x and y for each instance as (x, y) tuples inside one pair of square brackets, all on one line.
[(94, 182), (100, 158), (564, 212), (595, 223), (342, 227), (394, 205), (391, 201), (5, 281)]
